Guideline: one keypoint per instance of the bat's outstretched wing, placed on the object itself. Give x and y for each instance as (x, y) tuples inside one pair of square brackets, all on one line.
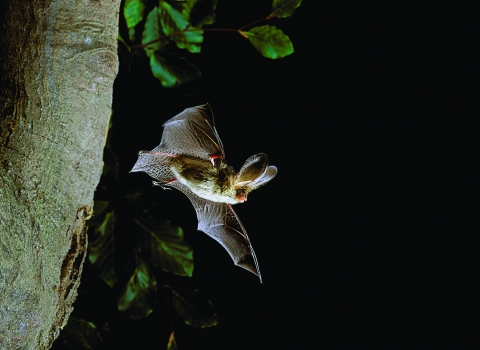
[(219, 221), (190, 133)]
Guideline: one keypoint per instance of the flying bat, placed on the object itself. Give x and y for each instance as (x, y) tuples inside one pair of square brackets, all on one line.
[(191, 158)]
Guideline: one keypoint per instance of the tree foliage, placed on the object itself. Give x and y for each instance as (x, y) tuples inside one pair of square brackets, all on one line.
[(182, 22)]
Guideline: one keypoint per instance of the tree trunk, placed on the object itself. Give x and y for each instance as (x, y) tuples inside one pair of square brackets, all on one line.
[(58, 61)]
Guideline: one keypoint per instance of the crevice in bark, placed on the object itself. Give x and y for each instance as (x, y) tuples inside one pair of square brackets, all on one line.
[(69, 280)]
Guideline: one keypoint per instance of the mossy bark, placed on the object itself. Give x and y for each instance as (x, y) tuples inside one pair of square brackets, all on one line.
[(58, 62)]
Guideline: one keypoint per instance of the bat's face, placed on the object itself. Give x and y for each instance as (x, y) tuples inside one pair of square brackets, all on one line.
[(241, 195)]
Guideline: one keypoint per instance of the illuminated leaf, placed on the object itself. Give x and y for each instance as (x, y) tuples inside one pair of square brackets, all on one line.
[(176, 26), (100, 250), (139, 294), (165, 246), (152, 32), (270, 41), (284, 8), (80, 334), (133, 13), (172, 344), (195, 310)]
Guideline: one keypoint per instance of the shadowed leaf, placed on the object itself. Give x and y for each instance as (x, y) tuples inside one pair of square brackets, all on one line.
[(165, 246), (176, 26), (172, 344), (139, 294), (195, 310), (120, 40), (202, 13), (284, 8), (172, 70), (270, 41), (133, 13), (101, 251), (80, 334)]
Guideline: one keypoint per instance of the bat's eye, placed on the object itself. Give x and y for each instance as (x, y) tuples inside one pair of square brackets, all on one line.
[(241, 196)]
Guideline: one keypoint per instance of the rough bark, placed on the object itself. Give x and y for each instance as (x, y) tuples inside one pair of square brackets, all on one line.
[(58, 61)]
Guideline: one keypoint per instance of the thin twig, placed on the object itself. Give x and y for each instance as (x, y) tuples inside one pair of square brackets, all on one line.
[(195, 30), (255, 22)]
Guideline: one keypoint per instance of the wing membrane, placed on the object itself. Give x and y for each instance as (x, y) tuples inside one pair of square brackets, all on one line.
[(219, 221), (192, 133)]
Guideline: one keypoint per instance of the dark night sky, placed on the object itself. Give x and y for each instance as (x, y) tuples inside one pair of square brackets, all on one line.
[(369, 233)]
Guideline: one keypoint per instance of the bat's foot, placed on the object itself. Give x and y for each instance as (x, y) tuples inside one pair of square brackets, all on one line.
[(163, 184)]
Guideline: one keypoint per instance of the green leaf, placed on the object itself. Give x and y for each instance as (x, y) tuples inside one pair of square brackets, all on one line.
[(284, 8), (195, 310), (100, 251), (133, 13), (172, 344), (80, 334), (138, 296), (176, 26), (152, 32), (165, 246), (270, 41), (202, 13), (172, 70)]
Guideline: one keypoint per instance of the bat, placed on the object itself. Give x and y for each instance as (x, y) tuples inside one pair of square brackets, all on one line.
[(191, 159)]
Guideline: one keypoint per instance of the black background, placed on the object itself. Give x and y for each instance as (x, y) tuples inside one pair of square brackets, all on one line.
[(369, 232)]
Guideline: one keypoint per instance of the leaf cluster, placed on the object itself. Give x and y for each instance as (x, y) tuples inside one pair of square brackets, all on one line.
[(182, 22), (158, 244)]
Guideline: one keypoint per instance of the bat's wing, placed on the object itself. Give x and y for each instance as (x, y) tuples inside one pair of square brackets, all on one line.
[(191, 133), (219, 221)]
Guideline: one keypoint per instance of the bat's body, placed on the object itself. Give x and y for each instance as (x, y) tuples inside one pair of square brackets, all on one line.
[(190, 157), (204, 180)]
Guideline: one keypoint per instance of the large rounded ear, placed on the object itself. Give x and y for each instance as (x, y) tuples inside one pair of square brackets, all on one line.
[(255, 172), (253, 168), (269, 174)]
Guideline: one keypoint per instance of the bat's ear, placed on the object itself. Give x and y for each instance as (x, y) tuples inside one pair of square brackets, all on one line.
[(269, 174), (252, 169), (255, 172)]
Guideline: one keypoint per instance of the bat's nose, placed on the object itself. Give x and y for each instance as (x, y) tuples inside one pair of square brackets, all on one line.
[(241, 197)]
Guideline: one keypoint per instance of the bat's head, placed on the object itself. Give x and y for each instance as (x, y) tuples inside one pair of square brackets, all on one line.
[(254, 173)]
